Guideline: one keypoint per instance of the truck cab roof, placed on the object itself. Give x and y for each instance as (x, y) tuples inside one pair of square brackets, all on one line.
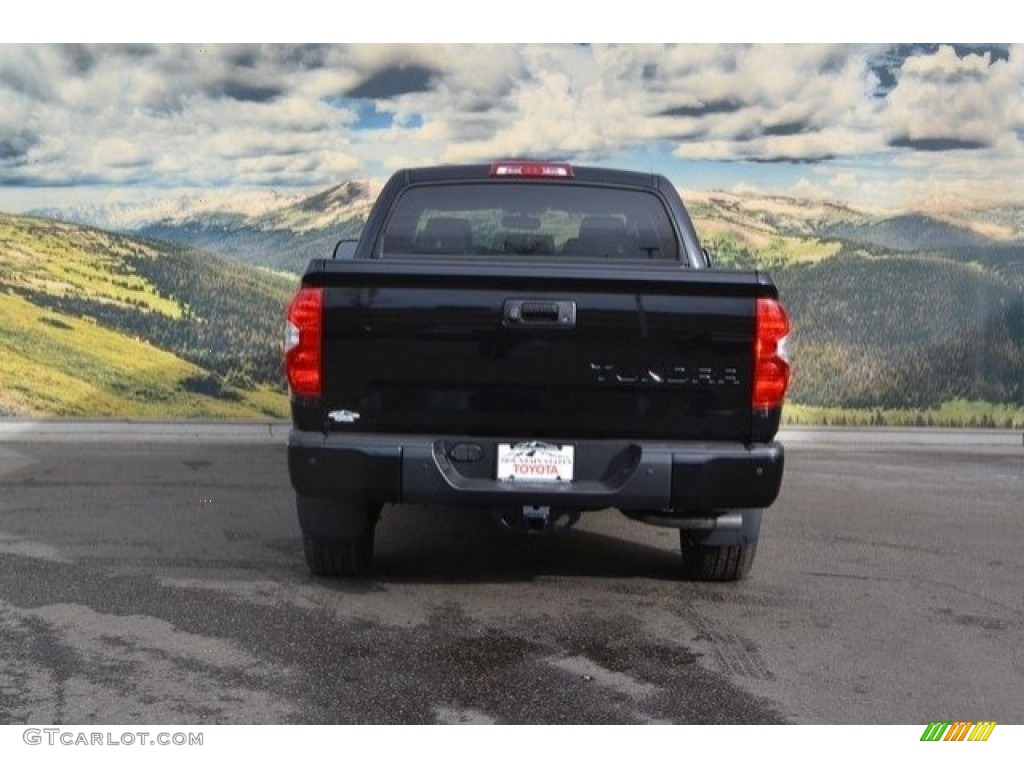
[(579, 173)]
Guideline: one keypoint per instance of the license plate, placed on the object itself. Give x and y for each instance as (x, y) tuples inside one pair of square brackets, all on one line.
[(535, 462)]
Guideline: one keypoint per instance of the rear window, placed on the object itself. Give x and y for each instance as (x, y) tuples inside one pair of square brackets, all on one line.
[(560, 220)]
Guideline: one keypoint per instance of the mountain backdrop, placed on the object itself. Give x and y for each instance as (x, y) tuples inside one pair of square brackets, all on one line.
[(907, 312), (102, 324), (899, 317), (282, 232)]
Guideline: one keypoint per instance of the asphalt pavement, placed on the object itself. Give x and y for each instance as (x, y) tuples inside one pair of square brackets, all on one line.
[(153, 573)]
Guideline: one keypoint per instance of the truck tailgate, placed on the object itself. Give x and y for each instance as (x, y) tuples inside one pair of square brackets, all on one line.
[(465, 347)]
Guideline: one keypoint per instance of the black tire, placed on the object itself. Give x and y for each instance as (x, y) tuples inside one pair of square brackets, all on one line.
[(337, 535), (347, 557), (716, 563)]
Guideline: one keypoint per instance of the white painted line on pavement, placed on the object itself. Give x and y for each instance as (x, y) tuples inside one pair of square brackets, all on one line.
[(87, 430)]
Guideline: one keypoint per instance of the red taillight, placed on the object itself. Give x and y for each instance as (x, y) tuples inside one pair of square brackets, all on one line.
[(531, 169), (304, 343), (771, 355)]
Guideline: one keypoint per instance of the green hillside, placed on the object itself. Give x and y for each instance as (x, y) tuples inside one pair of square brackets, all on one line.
[(96, 324), (902, 331), (898, 319), (282, 250), (907, 232)]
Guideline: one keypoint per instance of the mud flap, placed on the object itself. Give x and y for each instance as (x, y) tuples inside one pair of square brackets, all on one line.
[(334, 518)]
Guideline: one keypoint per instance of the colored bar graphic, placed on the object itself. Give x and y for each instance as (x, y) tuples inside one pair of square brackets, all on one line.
[(982, 730), (958, 730), (934, 731)]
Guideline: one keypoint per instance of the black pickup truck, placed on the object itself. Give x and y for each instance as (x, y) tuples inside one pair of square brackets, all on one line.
[(537, 340)]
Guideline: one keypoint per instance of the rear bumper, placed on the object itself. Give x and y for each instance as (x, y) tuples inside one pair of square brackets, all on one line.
[(628, 475)]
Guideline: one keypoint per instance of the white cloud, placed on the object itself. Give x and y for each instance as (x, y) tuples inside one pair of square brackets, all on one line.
[(179, 116), (949, 97)]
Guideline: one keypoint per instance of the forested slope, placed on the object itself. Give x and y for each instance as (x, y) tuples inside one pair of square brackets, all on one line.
[(84, 308)]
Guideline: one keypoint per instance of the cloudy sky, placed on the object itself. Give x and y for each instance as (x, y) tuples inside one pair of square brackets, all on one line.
[(878, 124)]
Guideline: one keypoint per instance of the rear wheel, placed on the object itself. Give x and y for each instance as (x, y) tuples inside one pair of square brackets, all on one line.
[(337, 535), (339, 557), (703, 562)]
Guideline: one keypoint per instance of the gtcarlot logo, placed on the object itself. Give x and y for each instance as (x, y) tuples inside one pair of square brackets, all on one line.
[(62, 737)]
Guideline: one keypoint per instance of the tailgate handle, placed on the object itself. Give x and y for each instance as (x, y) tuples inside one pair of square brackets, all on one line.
[(534, 312)]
